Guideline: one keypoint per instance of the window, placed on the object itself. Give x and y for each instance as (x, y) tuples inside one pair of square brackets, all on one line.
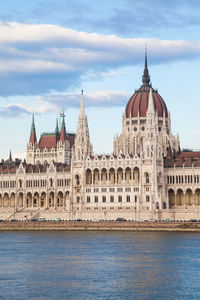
[(111, 198), (88, 199), (147, 198), (77, 199), (104, 199), (77, 178), (128, 198), (119, 198), (96, 199)]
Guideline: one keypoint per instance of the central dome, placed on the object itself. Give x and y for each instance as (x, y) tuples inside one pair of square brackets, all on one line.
[(138, 103)]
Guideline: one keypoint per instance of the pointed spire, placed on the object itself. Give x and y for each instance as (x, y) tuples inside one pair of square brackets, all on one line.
[(151, 108), (57, 128), (146, 77), (33, 123), (82, 109), (63, 122), (10, 156), (33, 138), (63, 134)]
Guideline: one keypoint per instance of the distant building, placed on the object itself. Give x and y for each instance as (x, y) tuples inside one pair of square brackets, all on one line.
[(146, 177)]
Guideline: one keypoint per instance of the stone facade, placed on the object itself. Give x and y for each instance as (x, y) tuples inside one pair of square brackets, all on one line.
[(146, 177)]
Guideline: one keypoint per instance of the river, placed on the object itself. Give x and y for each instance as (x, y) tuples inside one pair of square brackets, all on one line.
[(99, 265)]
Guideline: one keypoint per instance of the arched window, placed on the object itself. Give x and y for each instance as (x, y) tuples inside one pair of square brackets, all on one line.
[(77, 178), (147, 198), (146, 177)]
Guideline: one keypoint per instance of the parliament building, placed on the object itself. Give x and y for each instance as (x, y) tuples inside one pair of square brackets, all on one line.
[(146, 177)]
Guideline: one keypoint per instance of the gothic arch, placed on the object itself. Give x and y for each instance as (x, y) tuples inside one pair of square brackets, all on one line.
[(20, 200), (112, 175), (67, 195), (119, 175), (36, 199), (12, 200), (136, 175), (77, 179), (43, 199), (189, 197), (180, 197), (96, 176), (51, 199), (197, 197), (146, 176), (171, 197), (128, 174), (60, 199), (6, 202), (103, 176), (88, 176), (29, 200)]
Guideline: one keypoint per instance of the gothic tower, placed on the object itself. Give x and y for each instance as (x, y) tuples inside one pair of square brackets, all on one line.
[(82, 146)]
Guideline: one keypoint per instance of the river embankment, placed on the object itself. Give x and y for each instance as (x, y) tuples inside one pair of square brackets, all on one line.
[(100, 226)]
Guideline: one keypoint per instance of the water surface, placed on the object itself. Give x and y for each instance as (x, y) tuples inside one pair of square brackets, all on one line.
[(99, 265)]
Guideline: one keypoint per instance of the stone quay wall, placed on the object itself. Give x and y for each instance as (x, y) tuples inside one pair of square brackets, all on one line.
[(99, 226)]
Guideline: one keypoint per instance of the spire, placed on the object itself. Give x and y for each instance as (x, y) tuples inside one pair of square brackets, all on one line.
[(146, 77), (63, 122), (63, 134), (33, 138), (82, 109), (10, 156), (151, 108), (33, 124), (82, 147), (57, 128)]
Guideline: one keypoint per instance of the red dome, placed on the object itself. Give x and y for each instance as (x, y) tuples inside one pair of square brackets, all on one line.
[(138, 103)]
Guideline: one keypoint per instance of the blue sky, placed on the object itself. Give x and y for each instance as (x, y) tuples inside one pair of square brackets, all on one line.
[(50, 50)]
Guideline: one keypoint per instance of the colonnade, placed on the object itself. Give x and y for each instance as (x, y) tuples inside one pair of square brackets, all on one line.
[(112, 176), (183, 198), (35, 199)]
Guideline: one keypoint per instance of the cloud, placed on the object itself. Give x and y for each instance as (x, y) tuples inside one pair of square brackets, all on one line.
[(35, 59), (56, 101), (91, 99), (13, 111)]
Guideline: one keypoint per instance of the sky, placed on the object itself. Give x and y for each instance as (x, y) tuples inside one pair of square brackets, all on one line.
[(51, 50)]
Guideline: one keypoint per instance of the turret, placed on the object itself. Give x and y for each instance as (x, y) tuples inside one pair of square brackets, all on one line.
[(57, 128), (63, 134), (33, 138), (82, 146)]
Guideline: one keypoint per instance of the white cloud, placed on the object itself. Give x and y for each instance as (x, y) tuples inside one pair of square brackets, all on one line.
[(66, 50), (54, 102)]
